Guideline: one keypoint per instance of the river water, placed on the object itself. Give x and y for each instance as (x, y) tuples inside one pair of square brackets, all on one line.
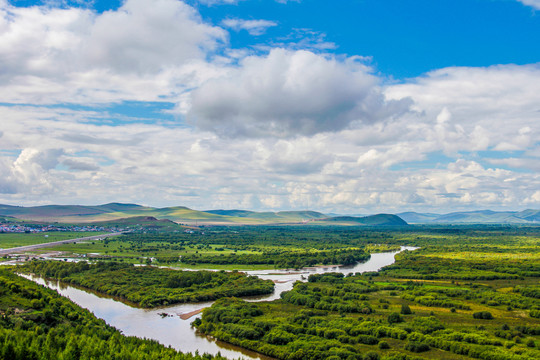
[(177, 333)]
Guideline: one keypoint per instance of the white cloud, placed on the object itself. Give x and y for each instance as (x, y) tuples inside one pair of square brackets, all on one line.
[(143, 38), (65, 159), (302, 39), (482, 108), (30, 172), (518, 163), (137, 52), (253, 27), (533, 3), (221, 2), (289, 93), (534, 199), (302, 129)]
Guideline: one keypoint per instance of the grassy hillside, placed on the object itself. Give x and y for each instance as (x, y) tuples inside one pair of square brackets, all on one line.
[(373, 220), (114, 211), (417, 218), (108, 212), (475, 217), (281, 216)]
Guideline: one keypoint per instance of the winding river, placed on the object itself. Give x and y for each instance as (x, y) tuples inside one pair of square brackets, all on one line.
[(177, 333)]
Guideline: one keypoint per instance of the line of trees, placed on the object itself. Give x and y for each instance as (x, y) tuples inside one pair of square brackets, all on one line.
[(37, 323), (149, 286)]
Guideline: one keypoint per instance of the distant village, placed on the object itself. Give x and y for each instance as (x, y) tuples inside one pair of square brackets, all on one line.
[(32, 228)]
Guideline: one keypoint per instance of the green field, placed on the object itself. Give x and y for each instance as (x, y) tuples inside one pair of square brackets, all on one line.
[(240, 248), (10, 240), (469, 293)]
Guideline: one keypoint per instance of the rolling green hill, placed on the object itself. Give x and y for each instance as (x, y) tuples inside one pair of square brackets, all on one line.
[(474, 217), (373, 220), (74, 214), (281, 216), (113, 212)]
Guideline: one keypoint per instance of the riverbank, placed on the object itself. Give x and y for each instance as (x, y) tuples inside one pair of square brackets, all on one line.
[(190, 314), (178, 333), (149, 286)]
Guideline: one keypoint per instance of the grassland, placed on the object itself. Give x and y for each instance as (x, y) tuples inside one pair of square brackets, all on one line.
[(241, 248), (115, 211), (162, 252), (10, 240)]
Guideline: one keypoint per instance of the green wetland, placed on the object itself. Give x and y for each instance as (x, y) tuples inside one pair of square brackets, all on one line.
[(468, 292), (149, 286), (236, 248)]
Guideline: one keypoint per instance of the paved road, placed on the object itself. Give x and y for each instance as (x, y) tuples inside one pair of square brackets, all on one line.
[(54, 243)]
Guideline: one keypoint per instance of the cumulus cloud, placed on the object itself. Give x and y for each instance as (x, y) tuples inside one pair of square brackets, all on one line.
[(534, 198), (305, 129), (159, 165), (81, 165), (138, 37), (533, 3), (297, 157), (135, 52), (30, 172), (517, 163), (289, 93), (253, 27), (491, 108)]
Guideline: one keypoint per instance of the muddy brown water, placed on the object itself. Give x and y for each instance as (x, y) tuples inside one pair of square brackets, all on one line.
[(177, 333)]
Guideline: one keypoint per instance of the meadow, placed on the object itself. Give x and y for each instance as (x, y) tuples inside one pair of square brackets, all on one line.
[(468, 293), (234, 248), (10, 240)]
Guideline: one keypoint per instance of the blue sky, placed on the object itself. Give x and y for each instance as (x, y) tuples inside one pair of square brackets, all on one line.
[(349, 106), (404, 38)]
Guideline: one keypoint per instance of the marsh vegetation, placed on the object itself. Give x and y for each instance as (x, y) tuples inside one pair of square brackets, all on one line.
[(468, 293)]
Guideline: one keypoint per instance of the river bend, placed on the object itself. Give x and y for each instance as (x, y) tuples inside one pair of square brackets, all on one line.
[(177, 333)]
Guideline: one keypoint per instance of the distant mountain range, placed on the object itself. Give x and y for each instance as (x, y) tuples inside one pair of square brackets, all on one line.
[(114, 211), (371, 220), (474, 217), (180, 214)]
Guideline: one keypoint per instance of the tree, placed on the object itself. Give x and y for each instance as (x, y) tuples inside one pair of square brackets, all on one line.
[(405, 309), (394, 318)]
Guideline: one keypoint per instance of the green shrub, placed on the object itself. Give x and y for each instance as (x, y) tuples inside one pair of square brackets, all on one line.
[(394, 318), (486, 315), (417, 347), (405, 309)]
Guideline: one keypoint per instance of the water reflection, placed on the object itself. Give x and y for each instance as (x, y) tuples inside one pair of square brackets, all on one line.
[(177, 333)]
